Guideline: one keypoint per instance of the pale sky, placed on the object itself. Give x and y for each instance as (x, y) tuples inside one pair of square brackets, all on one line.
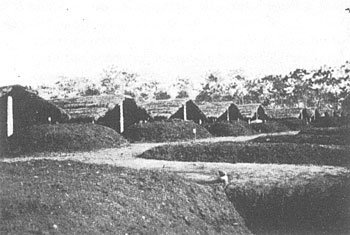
[(41, 40)]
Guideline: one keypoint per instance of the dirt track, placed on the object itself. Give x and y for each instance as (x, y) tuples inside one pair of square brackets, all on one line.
[(126, 157)]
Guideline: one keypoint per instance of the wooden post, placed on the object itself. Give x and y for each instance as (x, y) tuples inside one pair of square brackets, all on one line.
[(3, 126), (9, 116), (185, 112), (121, 116), (228, 114)]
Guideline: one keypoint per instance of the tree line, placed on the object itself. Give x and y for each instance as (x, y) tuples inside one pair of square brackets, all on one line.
[(319, 87)]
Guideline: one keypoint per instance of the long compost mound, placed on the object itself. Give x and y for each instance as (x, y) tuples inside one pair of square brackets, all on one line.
[(163, 131), (79, 198), (65, 138), (233, 128), (269, 127), (230, 152), (321, 136)]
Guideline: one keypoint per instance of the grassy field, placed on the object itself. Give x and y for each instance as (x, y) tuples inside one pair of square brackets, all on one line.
[(289, 199), (280, 153), (44, 197)]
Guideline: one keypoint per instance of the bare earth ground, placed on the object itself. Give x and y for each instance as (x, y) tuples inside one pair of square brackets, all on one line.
[(198, 171)]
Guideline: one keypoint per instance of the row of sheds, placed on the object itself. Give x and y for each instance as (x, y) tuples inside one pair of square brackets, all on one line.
[(26, 108), (21, 107)]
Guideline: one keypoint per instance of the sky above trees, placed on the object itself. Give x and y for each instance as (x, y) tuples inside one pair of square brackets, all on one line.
[(165, 40)]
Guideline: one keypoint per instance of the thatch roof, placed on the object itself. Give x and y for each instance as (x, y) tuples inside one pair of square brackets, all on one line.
[(283, 112), (89, 107), (193, 113), (248, 110), (214, 109), (30, 100), (295, 112), (163, 108)]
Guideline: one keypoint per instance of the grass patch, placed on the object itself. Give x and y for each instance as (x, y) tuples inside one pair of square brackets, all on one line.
[(269, 127), (172, 130), (289, 199), (65, 138), (43, 197), (281, 153), (235, 128)]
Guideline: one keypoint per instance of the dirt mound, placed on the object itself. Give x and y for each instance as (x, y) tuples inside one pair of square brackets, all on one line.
[(292, 199), (172, 130), (305, 138), (269, 127), (281, 153), (79, 198), (343, 131), (234, 128), (65, 138), (331, 122), (293, 124)]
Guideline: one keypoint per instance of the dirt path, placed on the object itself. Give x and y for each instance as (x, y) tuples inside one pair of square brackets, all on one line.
[(126, 157)]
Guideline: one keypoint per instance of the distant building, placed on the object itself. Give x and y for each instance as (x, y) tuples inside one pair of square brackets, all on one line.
[(220, 111), (177, 108), (253, 111), (116, 112), (21, 108)]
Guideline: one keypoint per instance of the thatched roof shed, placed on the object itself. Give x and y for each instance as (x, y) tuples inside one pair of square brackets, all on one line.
[(295, 112), (283, 112), (345, 107), (88, 108), (253, 111), (305, 114), (168, 109), (193, 113), (21, 108), (162, 108), (218, 110), (29, 108), (104, 110)]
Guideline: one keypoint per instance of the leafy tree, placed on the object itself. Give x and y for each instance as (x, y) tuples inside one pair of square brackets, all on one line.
[(183, 87), (162, 95), (69, 87), (115, 81), (236, 89), (214, 89), (255, 91), (146, 90)]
